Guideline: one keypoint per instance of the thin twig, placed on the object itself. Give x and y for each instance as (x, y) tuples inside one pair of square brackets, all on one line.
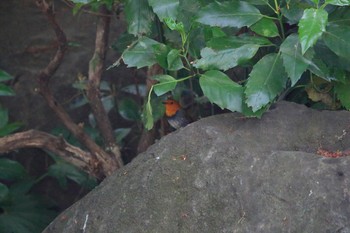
[(101, 159), (96, 69)]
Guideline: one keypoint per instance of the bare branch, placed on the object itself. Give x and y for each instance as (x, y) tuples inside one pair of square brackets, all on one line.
[(96, 68), (101, 160), (56, 145)]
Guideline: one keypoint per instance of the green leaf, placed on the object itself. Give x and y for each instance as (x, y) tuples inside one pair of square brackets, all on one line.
[(4, 76), (161, 52), (148, 116), (166, 84), (123, 41), (139, 16), (129, 109), (6, 91), (221, 90), (173, 25), (4, 117), (337, 39), (265, 27), (62, 170), (152, 112), (229, 14), (10, 128), (4, 192), (294, 11), (266, 81), (294, 63), (227, 52), (165, 8), (237, 41), (311, 26), (248, 111), (340, 16), (136, 89), (25, 213), (174, 60), (142, 54), (225, 59), (79, 101), (81, 1), (343, 93), (316, 2), (338, 2), (121, 133), (11, 170), (23, 186), (320, 69)]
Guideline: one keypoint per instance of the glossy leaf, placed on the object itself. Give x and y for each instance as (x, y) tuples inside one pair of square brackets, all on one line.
[(108, 103), (337, 39), (11, 170), (294, 11), (81, 1), (161, 52), (225, 59), (320, 69), (6, 91), (153, 111), (343, 93), (25, 213), (174, 60), (139, 16), (79, 101), (221, 90), (266, 81), (129, 109), (229, 14), (63, 171), (294, 63), (340, 16), (4, 192), (4, 76), (265, 27), (338, 2), (237, 41), (166, 84), (10, 128), (121, 133), (141, 54), (165, 8), (311, 26), (4, 117), (136, 89), (147, 116), (123, 41)]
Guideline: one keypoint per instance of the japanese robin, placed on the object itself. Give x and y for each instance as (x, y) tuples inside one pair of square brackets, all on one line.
[(175, 114)]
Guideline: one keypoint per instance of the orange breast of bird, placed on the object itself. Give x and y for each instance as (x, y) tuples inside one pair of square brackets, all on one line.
[(175, 115)]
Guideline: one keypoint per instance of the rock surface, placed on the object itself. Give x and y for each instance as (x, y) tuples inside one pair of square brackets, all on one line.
[(228, 173)]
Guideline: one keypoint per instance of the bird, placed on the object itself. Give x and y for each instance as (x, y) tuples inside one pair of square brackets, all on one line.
[(175, 114)]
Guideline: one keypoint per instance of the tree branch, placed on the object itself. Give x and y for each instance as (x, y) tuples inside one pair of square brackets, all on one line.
[(56, 145), (101, 163), (96, 68)]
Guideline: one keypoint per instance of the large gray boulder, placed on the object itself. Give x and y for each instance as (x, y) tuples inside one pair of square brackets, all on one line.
[(228, 173)]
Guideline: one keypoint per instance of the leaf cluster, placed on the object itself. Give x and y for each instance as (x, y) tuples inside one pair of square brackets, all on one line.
[(281, 45)]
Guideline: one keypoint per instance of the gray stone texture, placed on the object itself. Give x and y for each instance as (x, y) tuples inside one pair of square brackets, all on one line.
[(228, 173)]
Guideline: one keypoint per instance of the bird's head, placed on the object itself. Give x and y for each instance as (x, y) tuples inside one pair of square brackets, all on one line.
[(171, 107)]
